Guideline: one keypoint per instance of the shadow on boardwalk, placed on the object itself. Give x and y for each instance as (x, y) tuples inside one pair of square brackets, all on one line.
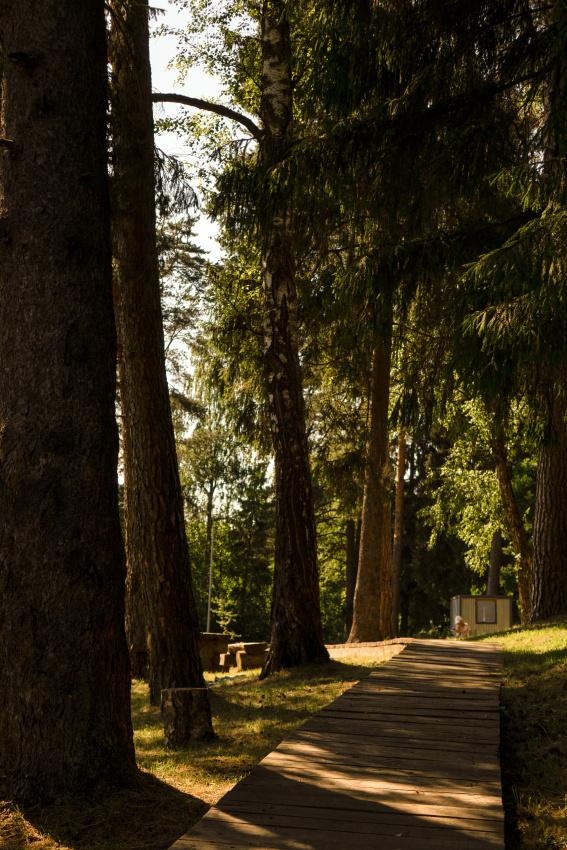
[(407, 758)]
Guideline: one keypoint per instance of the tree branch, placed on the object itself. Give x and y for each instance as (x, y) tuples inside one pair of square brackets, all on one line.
[(225, 111)]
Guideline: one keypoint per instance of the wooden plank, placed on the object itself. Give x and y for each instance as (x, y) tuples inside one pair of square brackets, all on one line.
[(425, 686), (409, 800), (452, 674), (405, 696), (479, 721), (382, 757), (335, 776), (362, 823), (279, 842), (463, 659), (380, 760), (408, 776), (328, 773), (443, 654), (360, 745), (419, 690), (422, 708), (445, 737), (445, 676), (294, 837), (443, 682)]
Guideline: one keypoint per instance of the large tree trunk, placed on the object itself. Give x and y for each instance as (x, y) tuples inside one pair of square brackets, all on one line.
[(296, 620), (64, 677), (549, 565), (398, 527), (515, 526), (372, 619), (156, 546)]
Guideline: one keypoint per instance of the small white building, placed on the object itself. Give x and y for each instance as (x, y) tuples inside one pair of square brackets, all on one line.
[(484, 614)]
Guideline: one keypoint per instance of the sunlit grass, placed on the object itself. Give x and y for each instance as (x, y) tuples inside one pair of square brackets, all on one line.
[(534, 736), (250, 719)]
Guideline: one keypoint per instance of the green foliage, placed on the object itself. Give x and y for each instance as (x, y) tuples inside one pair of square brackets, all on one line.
[(225, 482), (466, 501), (182, 266), (415, 179)]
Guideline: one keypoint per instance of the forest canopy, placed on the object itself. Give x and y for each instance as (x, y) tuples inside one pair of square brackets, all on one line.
[(421, 179)]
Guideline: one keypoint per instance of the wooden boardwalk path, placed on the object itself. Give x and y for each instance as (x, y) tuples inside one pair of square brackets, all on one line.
[(407, 759)]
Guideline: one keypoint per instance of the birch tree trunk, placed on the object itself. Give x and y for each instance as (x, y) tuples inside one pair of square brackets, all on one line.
[(372, 617), (156, 546), (65, 724), (296, 620), (515, 526)]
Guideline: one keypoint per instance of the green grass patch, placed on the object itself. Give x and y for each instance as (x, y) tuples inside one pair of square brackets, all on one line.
[(534, 736)]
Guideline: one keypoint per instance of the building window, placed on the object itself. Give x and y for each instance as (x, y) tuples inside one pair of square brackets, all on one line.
[(485, 610)]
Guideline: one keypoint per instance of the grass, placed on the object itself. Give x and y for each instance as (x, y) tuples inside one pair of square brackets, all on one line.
[(534, 736), (252, 717)]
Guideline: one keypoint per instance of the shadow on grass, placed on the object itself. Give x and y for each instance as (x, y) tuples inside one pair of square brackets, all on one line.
[(151, 816), (250, 718)]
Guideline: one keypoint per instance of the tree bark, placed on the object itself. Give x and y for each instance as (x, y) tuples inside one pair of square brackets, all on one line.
[(372, 619), (210, 495), (398, 527), (184, 712), (65, 724), (515, 526), (351, 571), (156, 546), (549, 566), (493, 579), (297, 636)]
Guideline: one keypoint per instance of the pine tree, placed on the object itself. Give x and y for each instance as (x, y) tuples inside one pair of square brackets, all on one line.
[(161, 608)]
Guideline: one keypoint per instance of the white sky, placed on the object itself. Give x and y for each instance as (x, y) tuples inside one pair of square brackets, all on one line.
[(196, 84)]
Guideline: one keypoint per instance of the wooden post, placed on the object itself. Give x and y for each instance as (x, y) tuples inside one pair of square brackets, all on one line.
[(182, 711)]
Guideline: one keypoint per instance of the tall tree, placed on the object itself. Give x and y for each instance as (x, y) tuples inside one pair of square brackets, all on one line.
[(516, 527), (351, 570), (64, 678), (159, 572), (372, 618), (296, 620), (398, 541), (549, 566)]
